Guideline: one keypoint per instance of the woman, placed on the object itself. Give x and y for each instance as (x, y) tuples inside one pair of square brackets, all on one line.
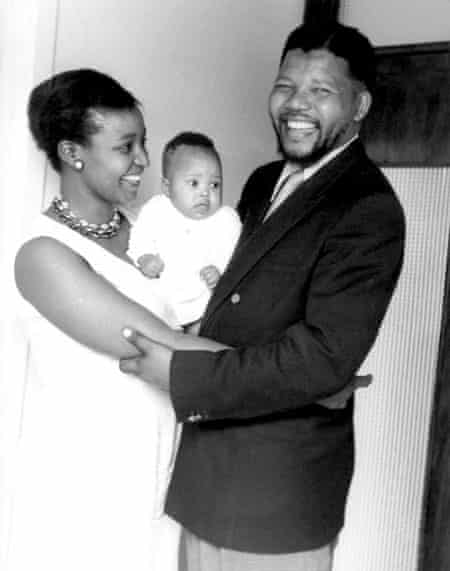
[(96, 446)]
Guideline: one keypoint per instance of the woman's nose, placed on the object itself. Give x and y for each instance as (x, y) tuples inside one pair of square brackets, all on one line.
[(141, 158)]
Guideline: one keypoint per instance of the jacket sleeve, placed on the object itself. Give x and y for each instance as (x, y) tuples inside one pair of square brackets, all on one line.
[(349, 292)]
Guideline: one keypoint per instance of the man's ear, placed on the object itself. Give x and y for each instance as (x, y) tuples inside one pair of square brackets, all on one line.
[(69, 153), (165, 186), (364, 103)]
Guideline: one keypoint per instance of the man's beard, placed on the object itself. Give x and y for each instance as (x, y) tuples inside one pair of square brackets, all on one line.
[(317, 153)]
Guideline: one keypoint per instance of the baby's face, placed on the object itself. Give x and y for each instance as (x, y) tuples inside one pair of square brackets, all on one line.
[(194, 182)]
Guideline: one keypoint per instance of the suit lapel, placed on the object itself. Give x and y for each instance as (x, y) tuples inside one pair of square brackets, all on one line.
[(258, 238), (256, 212)]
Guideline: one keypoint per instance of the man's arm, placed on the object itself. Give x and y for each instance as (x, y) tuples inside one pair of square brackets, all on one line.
[(316, 357), (160, 357)]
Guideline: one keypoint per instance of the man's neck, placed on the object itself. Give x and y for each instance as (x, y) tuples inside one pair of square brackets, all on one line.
[(311, 168)]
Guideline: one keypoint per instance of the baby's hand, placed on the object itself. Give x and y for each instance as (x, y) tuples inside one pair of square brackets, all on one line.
[(151, 265), (210, 275)]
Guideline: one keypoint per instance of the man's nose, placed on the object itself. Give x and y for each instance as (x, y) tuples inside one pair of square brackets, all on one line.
[(300, 99)]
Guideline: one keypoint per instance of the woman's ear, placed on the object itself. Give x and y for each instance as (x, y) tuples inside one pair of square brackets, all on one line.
[(364, 103), (69, 154)]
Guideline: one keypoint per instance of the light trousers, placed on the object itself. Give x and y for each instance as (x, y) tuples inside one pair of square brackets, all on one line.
[(202, 556)]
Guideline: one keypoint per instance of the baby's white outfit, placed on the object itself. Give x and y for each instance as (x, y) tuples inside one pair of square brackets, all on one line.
[(185, 246)]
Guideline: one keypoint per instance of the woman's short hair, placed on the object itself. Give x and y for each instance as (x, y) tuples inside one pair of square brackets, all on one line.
[(62, 108)]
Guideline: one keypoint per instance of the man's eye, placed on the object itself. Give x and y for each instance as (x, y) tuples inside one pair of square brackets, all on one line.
[(322, 91)]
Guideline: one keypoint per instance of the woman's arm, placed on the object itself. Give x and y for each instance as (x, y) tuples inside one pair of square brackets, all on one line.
[(67, 291)]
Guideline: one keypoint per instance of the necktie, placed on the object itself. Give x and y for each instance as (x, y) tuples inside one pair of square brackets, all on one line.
[(287, 187)]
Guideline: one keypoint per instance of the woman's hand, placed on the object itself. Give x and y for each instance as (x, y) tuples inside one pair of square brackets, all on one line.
[(152, 359), (151, 362)]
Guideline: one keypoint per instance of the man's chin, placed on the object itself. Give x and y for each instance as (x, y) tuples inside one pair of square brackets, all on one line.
[(303, 156)]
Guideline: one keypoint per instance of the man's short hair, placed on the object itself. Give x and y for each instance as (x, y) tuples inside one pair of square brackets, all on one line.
[(343, 41)]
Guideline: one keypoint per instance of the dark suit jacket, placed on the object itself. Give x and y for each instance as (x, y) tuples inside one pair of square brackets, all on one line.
[(261, 467)]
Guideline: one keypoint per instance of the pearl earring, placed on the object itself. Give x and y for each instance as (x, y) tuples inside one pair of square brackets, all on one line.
[(78, 164)]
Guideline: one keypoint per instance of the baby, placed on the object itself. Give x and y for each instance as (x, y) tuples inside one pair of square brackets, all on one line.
[(185, 236)]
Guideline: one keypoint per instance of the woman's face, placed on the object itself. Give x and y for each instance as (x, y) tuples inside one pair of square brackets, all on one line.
[(115, 157)]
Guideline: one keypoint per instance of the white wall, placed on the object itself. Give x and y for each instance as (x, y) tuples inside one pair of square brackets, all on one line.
[(27, 30), (202, 64), (389, 22)]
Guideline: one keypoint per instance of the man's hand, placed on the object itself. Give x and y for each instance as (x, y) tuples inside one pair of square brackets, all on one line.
[(151, 265), (339, 400), (210, 275), (151, 362)]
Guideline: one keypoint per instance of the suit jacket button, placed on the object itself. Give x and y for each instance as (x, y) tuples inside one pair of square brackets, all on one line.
[(235, 298)]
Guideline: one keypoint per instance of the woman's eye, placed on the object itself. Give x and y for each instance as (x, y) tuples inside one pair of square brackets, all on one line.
[(282, 86), (126, 148)]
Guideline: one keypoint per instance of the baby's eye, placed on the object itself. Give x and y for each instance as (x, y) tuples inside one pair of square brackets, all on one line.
[(215, 185), (193, 182)]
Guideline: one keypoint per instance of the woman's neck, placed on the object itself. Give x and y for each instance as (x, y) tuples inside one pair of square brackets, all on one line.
[(84, 205), (91, 210)]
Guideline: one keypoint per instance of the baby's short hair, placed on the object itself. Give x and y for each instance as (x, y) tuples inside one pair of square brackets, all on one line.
[(188, 139)]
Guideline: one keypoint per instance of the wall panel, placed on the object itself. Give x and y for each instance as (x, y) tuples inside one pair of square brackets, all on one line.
[(393, 415)]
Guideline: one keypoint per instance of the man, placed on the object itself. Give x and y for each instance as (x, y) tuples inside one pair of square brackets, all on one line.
[(263, 471)]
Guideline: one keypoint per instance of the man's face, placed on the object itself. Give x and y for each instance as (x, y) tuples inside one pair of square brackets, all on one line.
[(315, 105)]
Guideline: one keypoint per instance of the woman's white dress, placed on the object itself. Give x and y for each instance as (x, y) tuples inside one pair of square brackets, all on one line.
[(96, 446)]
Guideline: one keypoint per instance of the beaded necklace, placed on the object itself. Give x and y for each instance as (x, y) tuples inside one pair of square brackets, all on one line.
[(106, 230)]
